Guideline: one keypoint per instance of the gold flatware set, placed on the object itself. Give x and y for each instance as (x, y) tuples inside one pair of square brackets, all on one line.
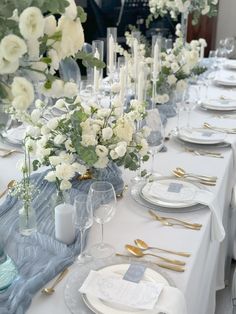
[(7, 152), (50, 290), (219, 129), (10, 185), (203, 179), (204, 153)]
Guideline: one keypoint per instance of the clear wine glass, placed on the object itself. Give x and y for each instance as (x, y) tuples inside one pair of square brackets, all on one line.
[(83, 220), (102, 201), (156, 138), (229, 45), (168, 45)]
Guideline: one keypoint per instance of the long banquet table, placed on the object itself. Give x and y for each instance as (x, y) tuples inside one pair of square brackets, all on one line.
[(205, 269)]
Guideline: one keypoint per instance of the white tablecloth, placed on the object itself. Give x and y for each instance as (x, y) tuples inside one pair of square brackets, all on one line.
[(206, 267)]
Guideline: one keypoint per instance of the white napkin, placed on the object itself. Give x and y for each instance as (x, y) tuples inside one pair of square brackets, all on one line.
[(201, 135), (207, 198), (171, 301), (164, 299), (160, 190), (112, 288)]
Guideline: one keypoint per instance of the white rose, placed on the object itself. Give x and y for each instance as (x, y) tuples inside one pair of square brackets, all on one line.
[(21, 103), (144, 150), (107, 133), (35, 115), (101, 162), (31, 23), (54, 160), (181, 86), (57, 89), (39, 104), (88, 140), (7, 67), (42, 153), (45, 130), (115, 88), (12, 47), (50, 25), (114, 154), (65, 185), (70, 89), (171, 79), (51, 176), (72, 37), (22, 87), (52, 124), (59, 139), (64, 172), (174, 67), (166, 98), (101, 151), (66, 158), (121, 149), (81, 169), (33, 131), (71, 10), (124, 130)]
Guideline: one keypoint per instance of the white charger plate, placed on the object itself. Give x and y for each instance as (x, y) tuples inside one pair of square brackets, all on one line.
[(159, 201), (220, 104), (99, 306), (230, 65), (195, 136)]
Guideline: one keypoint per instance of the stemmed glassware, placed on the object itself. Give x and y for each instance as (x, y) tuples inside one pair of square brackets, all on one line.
[(168, 45), (102, 202), (83, 220), (229, 45), (156, 138)]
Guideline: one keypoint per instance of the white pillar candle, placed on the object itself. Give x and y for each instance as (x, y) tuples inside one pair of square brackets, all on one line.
[(64, 223), (136, 57), (96, 73), (202, 51), (156, 58), (122, 83), (141, 82), (111, 59)]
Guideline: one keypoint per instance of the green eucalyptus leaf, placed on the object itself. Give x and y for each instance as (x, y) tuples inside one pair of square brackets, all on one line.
[(81, 14)]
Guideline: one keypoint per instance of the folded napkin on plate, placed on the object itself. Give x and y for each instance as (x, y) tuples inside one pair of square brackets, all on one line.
[(144, 295), (207, 198), (169, 191)]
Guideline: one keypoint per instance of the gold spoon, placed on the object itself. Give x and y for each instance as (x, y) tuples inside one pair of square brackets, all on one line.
[(9, 186), (50, 290), (171, 224), (157, 217), (139, 253), (201, 177), (167, 266), (218, 129), (144, 246), (181, 176)]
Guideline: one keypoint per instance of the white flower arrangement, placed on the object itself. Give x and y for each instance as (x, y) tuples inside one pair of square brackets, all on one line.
[(176, 7), (79, 139)]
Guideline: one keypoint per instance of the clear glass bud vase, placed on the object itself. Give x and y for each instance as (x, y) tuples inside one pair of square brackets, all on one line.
[(27, 219)]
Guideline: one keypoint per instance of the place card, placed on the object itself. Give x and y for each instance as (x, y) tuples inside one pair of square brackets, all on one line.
[(111, 287), (175, 187), (135, 272)]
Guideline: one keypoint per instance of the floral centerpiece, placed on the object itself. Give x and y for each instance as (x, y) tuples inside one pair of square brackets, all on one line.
[(84, 137), (176, 7)]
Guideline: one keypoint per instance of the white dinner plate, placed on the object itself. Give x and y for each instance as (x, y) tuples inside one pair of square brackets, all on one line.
[(220, 104), (170, 199), (201, 136), (99, 306), (226, 80), (230, 65)]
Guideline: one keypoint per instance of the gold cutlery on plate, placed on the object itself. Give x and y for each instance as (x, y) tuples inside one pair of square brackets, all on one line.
[(219, 129), (158, 217), (50, 290), (9, 186), (166, 266), (180, 176), (144, 246), (139, 253)]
